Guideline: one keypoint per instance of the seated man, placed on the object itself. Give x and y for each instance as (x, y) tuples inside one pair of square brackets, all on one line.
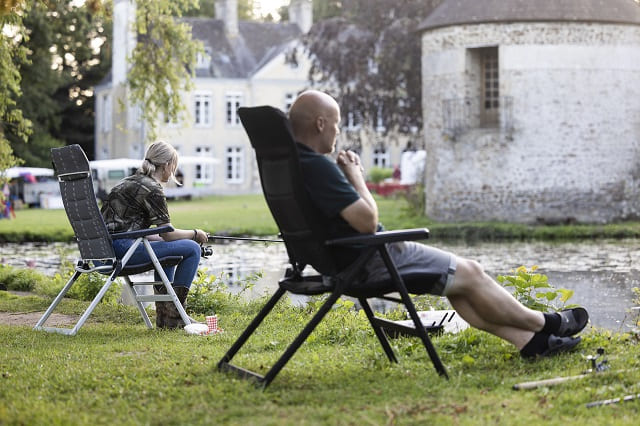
[(339, 192)]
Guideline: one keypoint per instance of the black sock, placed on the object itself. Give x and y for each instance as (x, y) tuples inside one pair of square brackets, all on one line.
[(551, 323), (538, 344)]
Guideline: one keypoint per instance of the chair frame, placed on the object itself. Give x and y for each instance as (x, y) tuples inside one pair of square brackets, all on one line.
[(336, 285), (108, 265)]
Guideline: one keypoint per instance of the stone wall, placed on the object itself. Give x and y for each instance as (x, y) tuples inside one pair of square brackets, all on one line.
[(572, 151)]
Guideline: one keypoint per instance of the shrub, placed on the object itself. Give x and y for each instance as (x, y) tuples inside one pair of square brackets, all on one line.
[(378, 174), (19, 279), (534, 291)]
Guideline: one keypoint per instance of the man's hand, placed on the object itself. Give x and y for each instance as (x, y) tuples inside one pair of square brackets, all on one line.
[(349, 163)]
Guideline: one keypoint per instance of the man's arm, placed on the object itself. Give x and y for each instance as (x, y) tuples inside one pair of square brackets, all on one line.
[(362, 215)]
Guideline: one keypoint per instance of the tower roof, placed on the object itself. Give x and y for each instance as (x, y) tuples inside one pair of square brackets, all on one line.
[(460, 12)]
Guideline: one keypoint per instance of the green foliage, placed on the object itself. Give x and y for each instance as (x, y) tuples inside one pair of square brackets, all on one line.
[(162, 61), (378, 174), (534, 291), (19, 279), (209, 294), (58, 73), (11, 117), (368, 55)]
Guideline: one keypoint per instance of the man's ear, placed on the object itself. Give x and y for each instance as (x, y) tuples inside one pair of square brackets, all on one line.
[(320, 122)]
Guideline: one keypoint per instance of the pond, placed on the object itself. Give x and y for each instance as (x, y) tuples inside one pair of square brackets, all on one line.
[(602, 273)]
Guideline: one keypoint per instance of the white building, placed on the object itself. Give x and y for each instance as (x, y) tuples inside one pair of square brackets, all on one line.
[(246, 63), (532, 110)]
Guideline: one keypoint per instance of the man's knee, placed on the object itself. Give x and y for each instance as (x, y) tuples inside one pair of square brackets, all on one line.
[(469, 275)]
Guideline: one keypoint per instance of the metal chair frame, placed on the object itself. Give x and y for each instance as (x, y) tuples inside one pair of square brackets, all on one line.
[(270, 135), (95, 244)]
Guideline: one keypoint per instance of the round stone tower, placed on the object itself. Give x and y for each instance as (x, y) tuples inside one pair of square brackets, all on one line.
[(532, 110)]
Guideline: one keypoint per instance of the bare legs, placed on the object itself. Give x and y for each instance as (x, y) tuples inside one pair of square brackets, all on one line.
[(486, 305)]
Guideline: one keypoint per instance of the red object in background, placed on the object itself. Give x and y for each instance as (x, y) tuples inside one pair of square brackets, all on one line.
[(386, 188)]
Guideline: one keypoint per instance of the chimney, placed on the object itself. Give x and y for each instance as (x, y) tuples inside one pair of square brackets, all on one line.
[(301, 13), (124, 38), (227, 11)]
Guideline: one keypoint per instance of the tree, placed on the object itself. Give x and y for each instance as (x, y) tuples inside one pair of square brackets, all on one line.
[(206, 8), (11, 54), (57, 74), (162, 61), (52, 58), (369, 57)]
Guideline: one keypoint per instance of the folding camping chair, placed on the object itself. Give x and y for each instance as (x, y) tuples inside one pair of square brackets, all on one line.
[(95, 243), (270, 133)]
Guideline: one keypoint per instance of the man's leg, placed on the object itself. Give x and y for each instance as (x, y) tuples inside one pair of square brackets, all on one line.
[(488, 306), (489, 300)]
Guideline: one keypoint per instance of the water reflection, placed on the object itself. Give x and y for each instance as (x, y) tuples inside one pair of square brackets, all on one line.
[(602, 273)]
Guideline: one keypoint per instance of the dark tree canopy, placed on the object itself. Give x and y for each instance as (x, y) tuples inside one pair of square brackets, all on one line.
[(62, 65), (369, 56)]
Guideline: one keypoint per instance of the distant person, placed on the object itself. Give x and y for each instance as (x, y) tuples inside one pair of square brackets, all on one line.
[(396, 173), (7, 208), (137, 202), (339, 192)]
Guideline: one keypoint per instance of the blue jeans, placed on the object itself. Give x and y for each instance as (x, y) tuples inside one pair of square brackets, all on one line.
[(181, 275)]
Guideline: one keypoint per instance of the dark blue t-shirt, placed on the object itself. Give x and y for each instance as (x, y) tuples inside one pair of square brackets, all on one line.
[(330, 192)]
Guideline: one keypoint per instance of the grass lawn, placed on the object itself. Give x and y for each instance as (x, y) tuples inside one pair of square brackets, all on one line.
[(115, 371)]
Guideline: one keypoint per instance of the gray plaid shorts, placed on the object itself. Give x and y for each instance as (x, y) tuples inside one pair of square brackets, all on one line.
[(415, 258)]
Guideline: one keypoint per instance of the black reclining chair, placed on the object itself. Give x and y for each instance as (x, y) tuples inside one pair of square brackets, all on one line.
[(270, 133), (95, 243)]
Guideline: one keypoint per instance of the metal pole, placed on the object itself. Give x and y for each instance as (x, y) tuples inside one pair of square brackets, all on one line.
[(262, 240)]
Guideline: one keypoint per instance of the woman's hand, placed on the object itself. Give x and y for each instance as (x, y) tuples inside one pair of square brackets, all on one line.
[(200, 237)]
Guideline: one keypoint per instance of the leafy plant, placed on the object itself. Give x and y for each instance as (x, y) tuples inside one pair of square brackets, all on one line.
[(19, 279), (378, 174), (209, 294), (534, 291)]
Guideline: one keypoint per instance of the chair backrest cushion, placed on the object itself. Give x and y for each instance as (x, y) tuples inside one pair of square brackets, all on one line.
[(76, 188), (299, 221)]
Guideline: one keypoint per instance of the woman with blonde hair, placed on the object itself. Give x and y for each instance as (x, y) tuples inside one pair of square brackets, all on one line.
[(137, 202)]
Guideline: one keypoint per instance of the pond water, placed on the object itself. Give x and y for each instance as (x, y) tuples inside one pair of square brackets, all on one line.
[(602, 273)]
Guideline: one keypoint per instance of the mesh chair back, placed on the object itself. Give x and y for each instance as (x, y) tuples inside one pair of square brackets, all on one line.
[(78, 196), (297, 218)]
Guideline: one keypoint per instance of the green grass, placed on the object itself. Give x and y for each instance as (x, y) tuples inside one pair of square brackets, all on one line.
[(115, 371), (249, 215)]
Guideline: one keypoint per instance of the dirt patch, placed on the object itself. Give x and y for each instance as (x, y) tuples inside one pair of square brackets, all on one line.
[(31, 318)]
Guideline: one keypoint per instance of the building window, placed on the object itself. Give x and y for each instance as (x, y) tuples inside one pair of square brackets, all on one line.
[(204, 170), (380, 127), (381, 158), (490, 92), (289, 98), (233, 102), (202, 110), (353, 121), (235, 163), (203, 59), (107, 110)]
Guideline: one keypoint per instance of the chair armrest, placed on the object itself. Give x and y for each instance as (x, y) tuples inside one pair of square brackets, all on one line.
[(381, 237), (142, 232)]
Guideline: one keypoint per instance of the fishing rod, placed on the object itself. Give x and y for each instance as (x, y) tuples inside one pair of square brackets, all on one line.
[(260, 240), (596, 367)]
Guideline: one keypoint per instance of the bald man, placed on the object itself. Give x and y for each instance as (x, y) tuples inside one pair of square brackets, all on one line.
[(339, 191)]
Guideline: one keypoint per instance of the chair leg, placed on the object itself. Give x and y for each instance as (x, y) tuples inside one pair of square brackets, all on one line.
[(406, 299), (255, 323), (293, 347), (378, 330), (87, 312), (57, 300), (130, 289)]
